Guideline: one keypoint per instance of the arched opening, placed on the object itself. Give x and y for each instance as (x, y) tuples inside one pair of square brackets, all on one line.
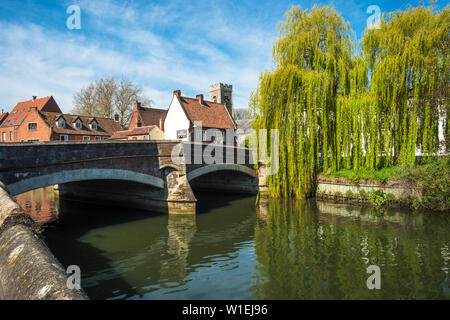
[(229, 178), (68, 176)]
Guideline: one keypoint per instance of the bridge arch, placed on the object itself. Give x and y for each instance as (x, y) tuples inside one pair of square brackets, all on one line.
[(65, 176), (220, 167)]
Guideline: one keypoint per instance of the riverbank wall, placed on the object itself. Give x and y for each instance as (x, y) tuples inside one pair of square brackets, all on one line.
[(28, 269), (339, 189)]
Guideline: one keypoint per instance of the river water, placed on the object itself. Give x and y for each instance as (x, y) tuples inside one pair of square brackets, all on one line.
[(237, 249)]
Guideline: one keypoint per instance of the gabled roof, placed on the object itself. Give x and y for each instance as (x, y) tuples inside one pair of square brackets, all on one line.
[(22, 108), (135, 132), (211, 114), (106, 126), (151, 116), (76, 118), (3, 116)]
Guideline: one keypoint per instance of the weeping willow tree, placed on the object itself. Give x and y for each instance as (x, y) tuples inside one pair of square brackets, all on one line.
[(335, 110), (299, 96), (408, 59)]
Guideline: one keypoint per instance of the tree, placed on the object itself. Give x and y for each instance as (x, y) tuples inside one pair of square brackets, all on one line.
[(408, 57), (348, 108), (107, 96), (312, 57)]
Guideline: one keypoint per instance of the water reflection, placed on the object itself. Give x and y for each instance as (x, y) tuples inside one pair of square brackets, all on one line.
[(234, 249), (306, 253), (42, 205), (181, 230)]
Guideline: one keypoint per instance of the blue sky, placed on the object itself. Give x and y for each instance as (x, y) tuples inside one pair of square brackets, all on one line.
[(160, 45)]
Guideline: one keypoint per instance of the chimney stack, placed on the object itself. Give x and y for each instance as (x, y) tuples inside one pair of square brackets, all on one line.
[(200, 98), (137, 105), (177, 93), (161, 124), (34, 98)]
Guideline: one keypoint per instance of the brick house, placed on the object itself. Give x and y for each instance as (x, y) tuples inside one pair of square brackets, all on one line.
[(9, 127), (184, 113), (42, 120), (139, 133), (143, 117)]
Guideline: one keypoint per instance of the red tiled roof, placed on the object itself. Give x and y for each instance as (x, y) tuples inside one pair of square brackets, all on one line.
[(106, 126), (135, 132), (22, 108), (3, 116), (151, 116), (211, 114)]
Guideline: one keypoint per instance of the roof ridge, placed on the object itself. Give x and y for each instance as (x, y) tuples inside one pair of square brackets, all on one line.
[(77, 115), (205, 100)]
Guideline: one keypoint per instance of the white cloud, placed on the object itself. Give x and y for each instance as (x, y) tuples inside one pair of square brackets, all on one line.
[(157, 47)]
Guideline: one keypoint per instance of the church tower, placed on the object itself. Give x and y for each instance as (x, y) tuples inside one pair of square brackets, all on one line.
[(222, 93)]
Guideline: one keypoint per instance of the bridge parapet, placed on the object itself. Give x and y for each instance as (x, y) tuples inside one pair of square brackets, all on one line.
[(154, 175)]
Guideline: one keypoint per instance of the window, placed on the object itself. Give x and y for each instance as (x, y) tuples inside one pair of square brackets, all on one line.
[(4, 137), (64, 137), (32, 140), (61, 123), (134, 138), (32, 126), (22, 110), (181, 134), (94, 125), (86, 138), (105, 138), (198, 135), (10, 136), (78, 124), (98, 138), (20, 122), (12, 122), (15, 111)]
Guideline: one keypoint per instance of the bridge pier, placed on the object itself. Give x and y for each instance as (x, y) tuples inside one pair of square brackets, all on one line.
[(176, 197)]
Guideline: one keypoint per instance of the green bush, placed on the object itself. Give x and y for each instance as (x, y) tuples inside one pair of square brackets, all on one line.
[(377, 197), (349, 194), (433, 181)]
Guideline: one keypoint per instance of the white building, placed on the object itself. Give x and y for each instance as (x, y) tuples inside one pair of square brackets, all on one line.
[(186, 115)]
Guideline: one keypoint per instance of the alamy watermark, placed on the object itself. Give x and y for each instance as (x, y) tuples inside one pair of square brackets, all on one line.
[(214, 146), (374, 281), (73, 277), (374, 20), (74, 20)]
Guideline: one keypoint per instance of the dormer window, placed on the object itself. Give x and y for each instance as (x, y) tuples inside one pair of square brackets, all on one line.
[(94, 125), (61, 123), (78, 124)]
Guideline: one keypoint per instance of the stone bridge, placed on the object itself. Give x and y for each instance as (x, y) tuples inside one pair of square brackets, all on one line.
[(153, 175)]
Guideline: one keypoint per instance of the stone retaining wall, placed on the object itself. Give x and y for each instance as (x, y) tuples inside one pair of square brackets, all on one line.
[(28, 270), (397, 189)]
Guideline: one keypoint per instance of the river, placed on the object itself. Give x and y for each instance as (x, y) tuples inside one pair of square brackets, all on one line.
[(237, 249)]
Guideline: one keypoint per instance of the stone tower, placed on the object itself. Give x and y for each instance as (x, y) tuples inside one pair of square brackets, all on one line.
[(222, 93)]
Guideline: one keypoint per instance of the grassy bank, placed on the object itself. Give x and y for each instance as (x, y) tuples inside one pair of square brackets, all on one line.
[(431, 178)]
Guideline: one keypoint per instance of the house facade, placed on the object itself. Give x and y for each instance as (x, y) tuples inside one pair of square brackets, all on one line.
[(139, 133), (42, 120), (11, 124), (188, 119), (143, 117)]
